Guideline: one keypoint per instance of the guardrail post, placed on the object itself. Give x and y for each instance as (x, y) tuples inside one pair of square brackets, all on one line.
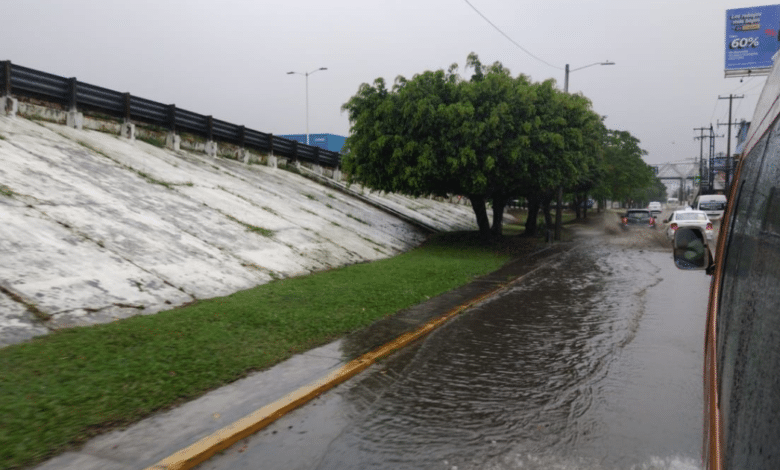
[(172, 141), (74, 119), (8, 104), (317, 166), (295, 155), (72, 85), (271, 157), (337, 169), (127, 130), (6, 91), (211, 146), (243, 153)]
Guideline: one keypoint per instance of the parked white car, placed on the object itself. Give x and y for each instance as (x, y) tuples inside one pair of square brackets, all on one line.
[(689, 218)]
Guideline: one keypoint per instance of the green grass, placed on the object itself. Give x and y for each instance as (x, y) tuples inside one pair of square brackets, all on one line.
[(143, 175), (253, 228), (157, 142), (521, 216), (357, 219), (58, 390), (6, 191)]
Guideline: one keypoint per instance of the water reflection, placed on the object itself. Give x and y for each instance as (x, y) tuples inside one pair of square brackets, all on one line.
[(536, 378)]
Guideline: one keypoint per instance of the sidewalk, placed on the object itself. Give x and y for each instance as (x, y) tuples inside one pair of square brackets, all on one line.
[(190, 433)]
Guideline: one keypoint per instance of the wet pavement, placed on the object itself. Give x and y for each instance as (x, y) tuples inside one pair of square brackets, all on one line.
[(591, 362), (149, 441)]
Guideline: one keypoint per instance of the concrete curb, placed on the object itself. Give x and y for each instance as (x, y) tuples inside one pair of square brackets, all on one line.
[(206, 447)]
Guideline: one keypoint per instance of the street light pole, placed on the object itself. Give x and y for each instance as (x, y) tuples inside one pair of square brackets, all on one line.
[(566, 80), (559, 208), (306, 74)]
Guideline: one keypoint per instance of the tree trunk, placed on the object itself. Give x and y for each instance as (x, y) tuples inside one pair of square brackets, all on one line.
[(577, 206), (559, 213), (584, 206), (478, 204), (533, 213), (548, 220), (499, 203)]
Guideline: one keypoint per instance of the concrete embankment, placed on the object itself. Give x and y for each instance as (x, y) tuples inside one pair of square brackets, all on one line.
[(96, 228)]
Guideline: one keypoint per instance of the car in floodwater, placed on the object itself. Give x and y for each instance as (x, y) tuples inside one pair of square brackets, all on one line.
[(689, 218), (637, 218), (742, 333)]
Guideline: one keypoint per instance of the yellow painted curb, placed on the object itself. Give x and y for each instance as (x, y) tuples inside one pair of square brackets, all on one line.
[(202, 450)]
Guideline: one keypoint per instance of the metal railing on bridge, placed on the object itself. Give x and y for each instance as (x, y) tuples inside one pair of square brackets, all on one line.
[(69, 92)]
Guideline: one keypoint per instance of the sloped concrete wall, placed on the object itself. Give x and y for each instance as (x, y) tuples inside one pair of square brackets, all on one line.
[(94, 227)]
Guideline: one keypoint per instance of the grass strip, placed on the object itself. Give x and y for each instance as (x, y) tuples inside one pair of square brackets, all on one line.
[(59, 390)]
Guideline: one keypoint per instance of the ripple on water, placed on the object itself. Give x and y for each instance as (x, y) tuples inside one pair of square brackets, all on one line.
[(510, 384)]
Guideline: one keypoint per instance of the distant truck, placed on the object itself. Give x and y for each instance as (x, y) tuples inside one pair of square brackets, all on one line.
[(672, 202)]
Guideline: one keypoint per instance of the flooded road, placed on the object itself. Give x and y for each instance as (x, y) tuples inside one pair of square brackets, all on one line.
[(592, 362)]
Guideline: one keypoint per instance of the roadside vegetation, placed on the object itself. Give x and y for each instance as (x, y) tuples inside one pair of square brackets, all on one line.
[(59, 390), (491, 137)]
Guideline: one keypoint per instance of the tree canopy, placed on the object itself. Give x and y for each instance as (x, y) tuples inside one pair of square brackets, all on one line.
[(491, 137), (626, 176)]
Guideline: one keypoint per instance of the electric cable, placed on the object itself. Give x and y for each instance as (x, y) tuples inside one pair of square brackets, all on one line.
[(510, 39)]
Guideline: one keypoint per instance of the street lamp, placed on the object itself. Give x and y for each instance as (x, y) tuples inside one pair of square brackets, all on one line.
[(307, 96), (566, 80), (559, 208)]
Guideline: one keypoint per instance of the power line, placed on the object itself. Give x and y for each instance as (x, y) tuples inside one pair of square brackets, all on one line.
[(714, 108), (748, 82), (754, 87), (510, 39)]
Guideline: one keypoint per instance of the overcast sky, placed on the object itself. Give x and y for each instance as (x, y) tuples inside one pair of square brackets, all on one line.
[(230, 58)]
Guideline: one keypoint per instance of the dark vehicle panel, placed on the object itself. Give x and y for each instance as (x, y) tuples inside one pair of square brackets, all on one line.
[(742, 345), (748, 320), (637, 218)]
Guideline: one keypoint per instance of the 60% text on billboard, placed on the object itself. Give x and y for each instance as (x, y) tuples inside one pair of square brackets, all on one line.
[(742, 43)]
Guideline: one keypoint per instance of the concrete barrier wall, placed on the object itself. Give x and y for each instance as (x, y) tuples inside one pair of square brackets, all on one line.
[(97, 227)]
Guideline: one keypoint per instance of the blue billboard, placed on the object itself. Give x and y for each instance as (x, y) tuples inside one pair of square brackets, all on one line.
[(752, 37)]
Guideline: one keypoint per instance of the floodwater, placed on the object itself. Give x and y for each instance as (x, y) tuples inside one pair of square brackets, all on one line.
[(592, 362)]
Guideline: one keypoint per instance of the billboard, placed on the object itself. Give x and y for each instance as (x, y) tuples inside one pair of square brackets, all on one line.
[(752, 40)]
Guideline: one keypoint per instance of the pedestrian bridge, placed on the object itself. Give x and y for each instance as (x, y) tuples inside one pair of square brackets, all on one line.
[(680, 178)]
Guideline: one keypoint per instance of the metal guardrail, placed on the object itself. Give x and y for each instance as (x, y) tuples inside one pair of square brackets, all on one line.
[(22, 81)]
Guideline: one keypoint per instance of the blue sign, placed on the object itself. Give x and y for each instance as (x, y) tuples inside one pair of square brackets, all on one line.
[(752, 37)]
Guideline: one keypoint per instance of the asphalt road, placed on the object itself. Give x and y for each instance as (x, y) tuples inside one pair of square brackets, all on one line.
[(593, 362)]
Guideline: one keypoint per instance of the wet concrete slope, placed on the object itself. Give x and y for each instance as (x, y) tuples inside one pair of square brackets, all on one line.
[(96, 228)]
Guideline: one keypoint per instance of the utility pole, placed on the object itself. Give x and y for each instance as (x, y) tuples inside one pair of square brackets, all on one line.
[(729, 165), (701, 154), (559, 198), (711, 172)]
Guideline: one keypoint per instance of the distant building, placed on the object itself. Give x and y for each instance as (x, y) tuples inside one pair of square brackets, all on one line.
[(332, 142)]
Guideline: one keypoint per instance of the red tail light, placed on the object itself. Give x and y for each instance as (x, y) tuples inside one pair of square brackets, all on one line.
[(709, 226), (673, 227)]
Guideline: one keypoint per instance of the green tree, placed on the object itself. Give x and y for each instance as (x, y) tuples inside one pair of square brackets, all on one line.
[(566, 144), (626, 175), (491, 137)]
